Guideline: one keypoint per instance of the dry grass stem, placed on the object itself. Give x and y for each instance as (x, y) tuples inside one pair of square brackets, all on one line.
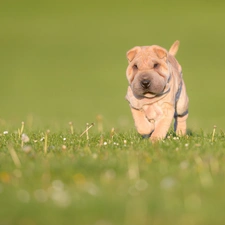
[(14, 156), (71, 127), (213, 134), (20, 131), (46, 141), (86, 130), (112, 133)]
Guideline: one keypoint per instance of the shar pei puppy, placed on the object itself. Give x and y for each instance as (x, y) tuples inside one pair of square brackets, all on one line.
[(156, 91)]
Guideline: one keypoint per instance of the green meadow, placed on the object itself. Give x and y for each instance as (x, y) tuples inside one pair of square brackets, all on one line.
[(65, 61)]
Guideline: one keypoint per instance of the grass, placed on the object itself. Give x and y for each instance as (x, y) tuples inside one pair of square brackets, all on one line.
[(65, 62), (111, 178)]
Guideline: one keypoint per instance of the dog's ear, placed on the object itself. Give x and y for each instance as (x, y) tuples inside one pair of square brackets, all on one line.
[(160, 52), (174, 48), (132, 52)]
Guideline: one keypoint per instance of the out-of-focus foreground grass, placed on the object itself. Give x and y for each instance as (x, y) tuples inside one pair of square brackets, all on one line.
[(111, 179), (65, 60)]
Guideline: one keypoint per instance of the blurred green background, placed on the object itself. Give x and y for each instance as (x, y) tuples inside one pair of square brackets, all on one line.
[(65, 60)]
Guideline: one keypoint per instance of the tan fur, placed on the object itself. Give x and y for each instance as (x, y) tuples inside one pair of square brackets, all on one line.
[(174, 48), (156, 90)]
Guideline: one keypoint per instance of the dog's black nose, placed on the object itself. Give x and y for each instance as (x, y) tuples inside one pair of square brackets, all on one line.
[(145, 83)]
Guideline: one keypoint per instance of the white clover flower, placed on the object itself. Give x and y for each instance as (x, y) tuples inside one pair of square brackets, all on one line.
[(176, 138), (5, 132), (25, 138)]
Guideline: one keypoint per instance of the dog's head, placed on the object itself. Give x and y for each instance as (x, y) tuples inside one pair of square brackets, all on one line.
[(148, 71)]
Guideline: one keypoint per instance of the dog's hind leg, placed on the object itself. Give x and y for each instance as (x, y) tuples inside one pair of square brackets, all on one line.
[(180, 125), (181, 112)]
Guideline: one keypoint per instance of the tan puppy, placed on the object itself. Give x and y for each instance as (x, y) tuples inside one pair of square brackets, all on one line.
[(156, 91)]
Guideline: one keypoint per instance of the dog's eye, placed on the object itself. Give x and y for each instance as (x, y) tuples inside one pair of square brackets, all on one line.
[(135, 67), (156, 65)]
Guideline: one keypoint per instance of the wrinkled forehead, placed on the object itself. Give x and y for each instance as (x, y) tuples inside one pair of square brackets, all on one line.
[(146, 55)]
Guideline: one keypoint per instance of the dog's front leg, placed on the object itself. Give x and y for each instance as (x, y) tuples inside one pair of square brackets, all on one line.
[(163, 124), (143, 126)]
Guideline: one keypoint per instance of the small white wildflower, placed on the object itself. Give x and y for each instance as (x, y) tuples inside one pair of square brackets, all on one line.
[(42, 139), (64, 139), (105, 143), (25, 138), (175, 138), (5, 132), (125, 142), (186, 145)]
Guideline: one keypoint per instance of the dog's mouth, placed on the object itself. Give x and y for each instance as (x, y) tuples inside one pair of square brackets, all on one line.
[(149, 94)]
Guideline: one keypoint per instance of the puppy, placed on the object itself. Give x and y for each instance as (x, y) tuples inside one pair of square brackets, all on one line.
[(156, 91)]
